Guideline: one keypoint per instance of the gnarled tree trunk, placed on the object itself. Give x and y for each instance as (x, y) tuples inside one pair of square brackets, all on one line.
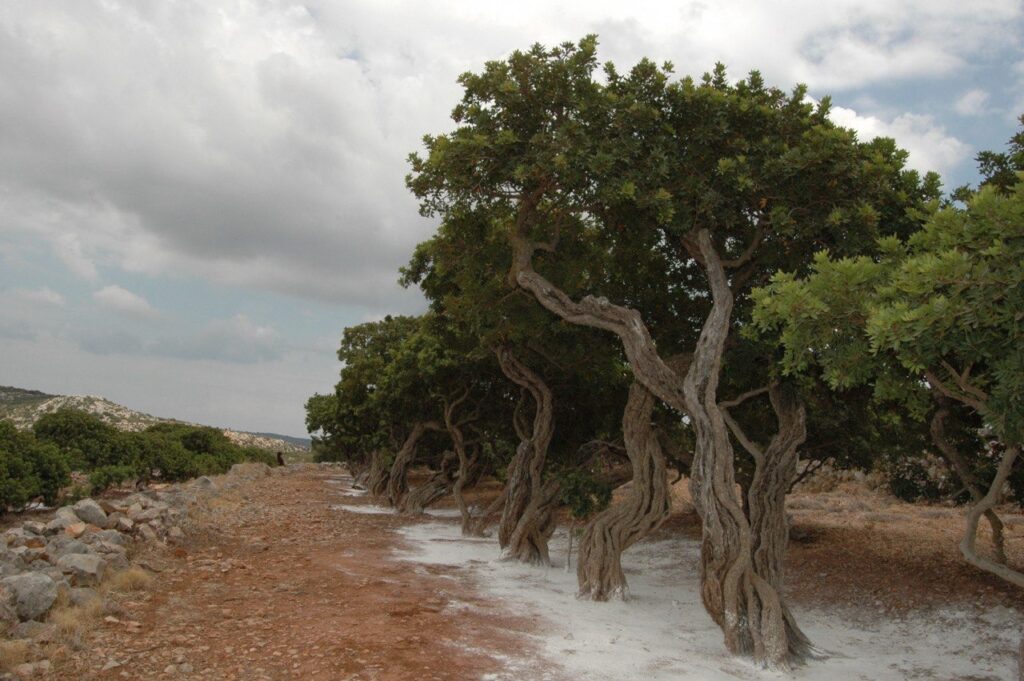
[(745, 604), (988, 502), (398, 478), (528, 542), (967, 477), (377, 475), (468, 470), (437, 486), (599, 570), (774, 472), (526, 517)]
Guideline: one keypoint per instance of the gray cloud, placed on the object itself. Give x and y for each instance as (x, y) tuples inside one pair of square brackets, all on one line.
[(264, 146)]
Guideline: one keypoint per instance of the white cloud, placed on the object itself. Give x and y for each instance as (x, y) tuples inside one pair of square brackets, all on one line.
[(125, 302), (972, 103), (262, 145), (930, 147), (43, 296)]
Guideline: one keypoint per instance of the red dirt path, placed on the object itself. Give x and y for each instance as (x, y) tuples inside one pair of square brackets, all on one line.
[(276, 585)]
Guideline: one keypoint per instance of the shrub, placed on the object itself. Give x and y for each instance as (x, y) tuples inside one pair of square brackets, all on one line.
[(29, 469)]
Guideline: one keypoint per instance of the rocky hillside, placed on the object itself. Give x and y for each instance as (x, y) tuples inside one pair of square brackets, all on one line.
[(25, 407)]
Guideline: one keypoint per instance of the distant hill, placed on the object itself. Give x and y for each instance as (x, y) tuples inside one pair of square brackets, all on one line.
[(24, 407)]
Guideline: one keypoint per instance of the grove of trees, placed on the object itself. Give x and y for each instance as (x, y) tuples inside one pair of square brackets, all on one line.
[(636, 276)]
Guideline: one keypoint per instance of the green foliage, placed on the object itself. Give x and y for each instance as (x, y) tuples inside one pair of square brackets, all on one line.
[(29, 469), (945, 307), (583, 493), (106, 477), (168, 451)]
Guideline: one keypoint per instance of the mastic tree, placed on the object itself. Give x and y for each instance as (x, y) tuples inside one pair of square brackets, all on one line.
[(702, 188), (936, 321)]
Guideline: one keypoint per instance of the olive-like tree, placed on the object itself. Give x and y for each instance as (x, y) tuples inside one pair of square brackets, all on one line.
[(704, 187), (941, 313)]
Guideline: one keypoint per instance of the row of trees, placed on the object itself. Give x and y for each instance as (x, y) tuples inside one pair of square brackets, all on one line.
[(604, 306), (36, 465)]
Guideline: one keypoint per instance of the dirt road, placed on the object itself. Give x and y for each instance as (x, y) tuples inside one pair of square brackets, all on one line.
[(274, 584)]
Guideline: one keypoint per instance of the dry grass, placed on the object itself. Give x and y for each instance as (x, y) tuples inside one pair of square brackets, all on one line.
[(132, 579), (72, 623), (12, 653)]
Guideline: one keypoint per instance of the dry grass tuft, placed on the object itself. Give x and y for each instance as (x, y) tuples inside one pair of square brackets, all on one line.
[(12, 653), (72, 623), (132, 579)]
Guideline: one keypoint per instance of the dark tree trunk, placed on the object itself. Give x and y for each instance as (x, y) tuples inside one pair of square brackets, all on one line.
[(599, 569), (742, 602), (526, 517)]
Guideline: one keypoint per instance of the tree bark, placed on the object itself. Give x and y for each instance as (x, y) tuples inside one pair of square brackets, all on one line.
[(599, 565), (468, 470), (377, 476), (526, 517), (437, 486), (731, 588), (398, 478), (967, 477), (989, 501), (528, 542), (774, 472)]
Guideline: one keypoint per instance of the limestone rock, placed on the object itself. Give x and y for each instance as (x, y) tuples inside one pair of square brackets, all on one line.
[(85, 570), (90, 512), (34, 594), (75, 530), (34, 527)]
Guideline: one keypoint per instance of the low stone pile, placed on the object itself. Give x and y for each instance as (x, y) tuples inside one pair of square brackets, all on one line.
[(84, 542)]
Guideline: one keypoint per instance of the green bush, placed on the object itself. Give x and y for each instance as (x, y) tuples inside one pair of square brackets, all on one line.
[(105, 477), (29, 469)]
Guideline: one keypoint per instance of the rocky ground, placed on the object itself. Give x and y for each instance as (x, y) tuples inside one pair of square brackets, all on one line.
[(283, 574), (271, 583)]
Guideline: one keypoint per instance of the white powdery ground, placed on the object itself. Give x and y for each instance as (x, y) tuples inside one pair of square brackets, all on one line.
[(662, 632)]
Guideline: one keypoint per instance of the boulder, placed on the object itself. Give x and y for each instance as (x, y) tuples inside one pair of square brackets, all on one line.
[(175, 535), (64, 517), (75, 530), (11, 562), (124, 524), (90, 512), (33, 592), (85, 570), (152, 513), (204, 482), (62, 545), (34, 527), (147, 533), (110, 536)]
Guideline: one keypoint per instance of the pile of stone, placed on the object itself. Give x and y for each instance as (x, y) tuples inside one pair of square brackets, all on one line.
[(82, 543)]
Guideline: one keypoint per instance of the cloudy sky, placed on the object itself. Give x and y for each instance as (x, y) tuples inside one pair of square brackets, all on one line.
[(196, 196)]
